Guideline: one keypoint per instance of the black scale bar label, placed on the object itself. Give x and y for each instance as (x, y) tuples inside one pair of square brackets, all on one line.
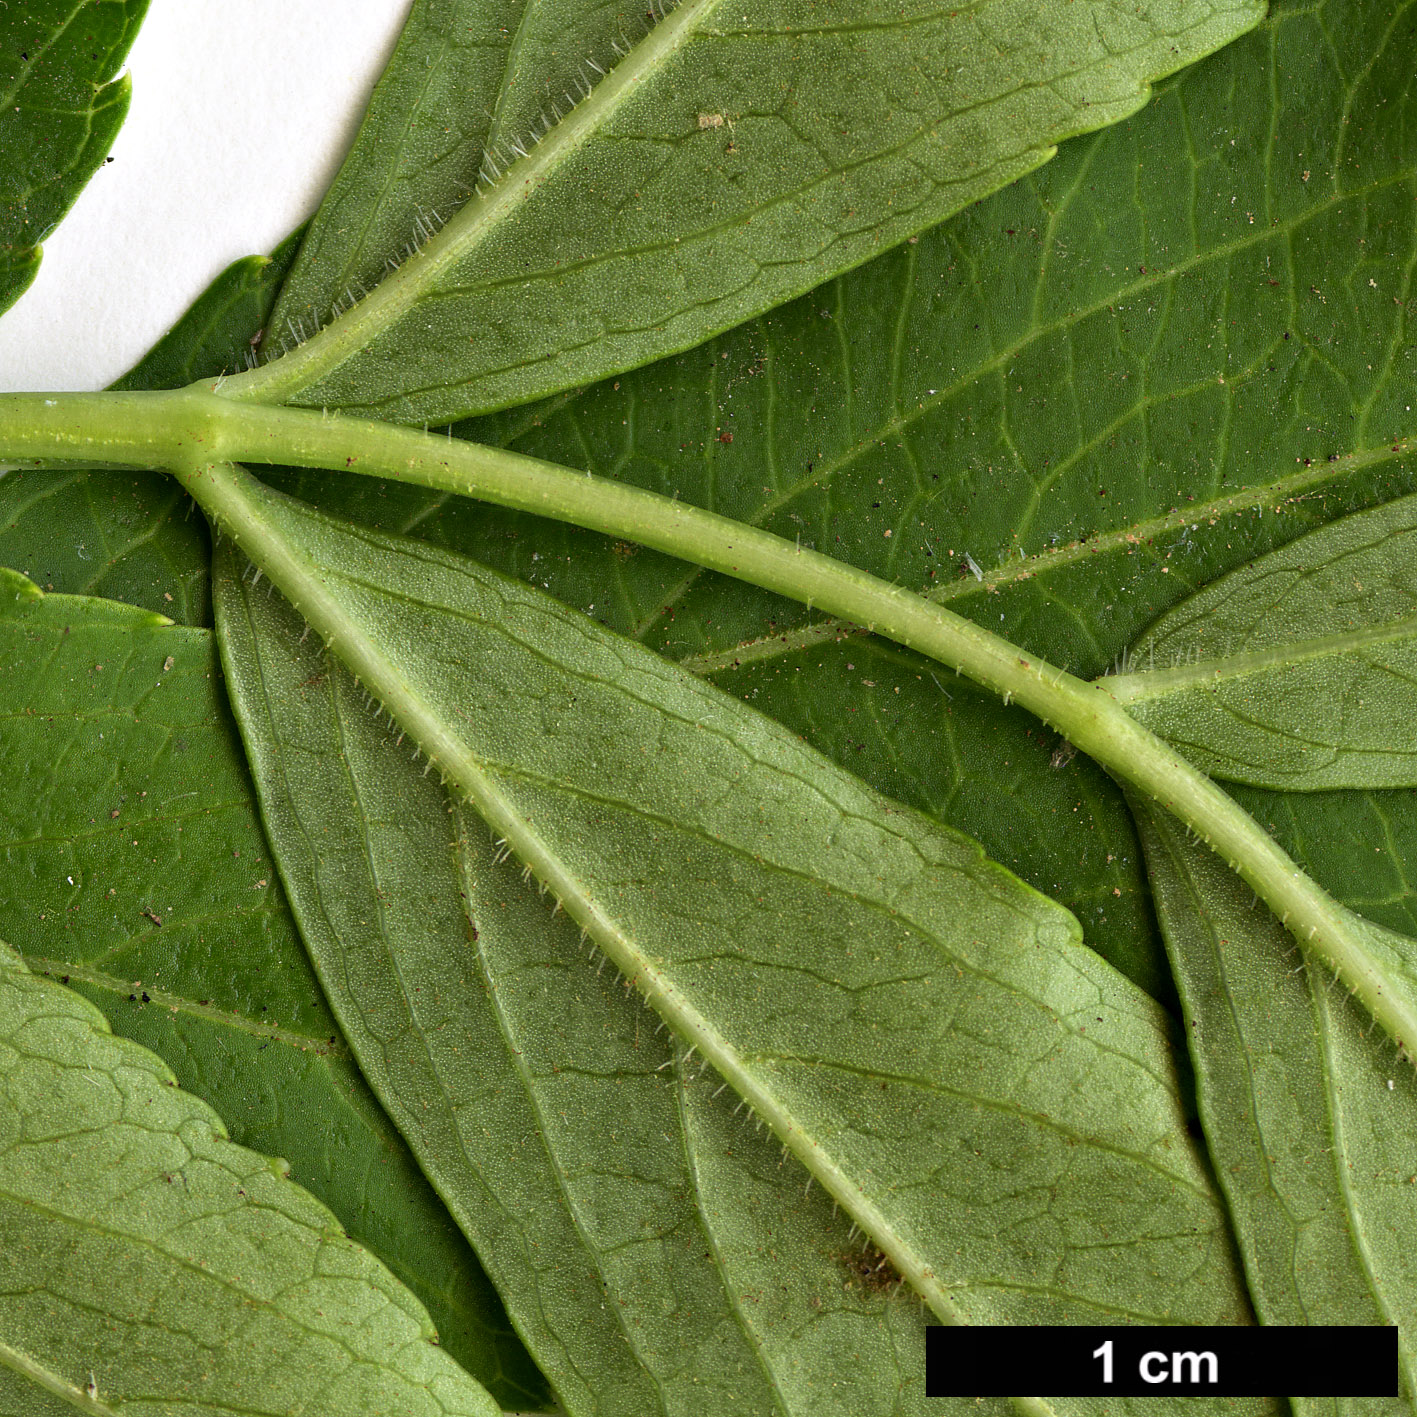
[(1315, 1361)]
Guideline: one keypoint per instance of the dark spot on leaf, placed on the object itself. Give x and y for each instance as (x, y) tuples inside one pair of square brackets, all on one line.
[(869, 1269)]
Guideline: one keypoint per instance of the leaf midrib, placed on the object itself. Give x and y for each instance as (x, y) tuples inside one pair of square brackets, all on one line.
[(791, 197), (350, 333), (331, 925), (178, 1003), (666, 1000), (965, 966), (51, 1382), (239, 499), (475, 223), (1216, 673)]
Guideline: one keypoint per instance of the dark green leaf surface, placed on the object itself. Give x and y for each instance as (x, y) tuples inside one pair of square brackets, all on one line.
[(132, 867), (148, 1263), (1297, 671), (60, 107), (929, 1021), (1313, 1129), (714, 165), (127, 536), (581, 1152), (1358, 845)]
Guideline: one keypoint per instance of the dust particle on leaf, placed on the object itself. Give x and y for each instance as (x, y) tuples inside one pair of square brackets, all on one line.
[(869, 1269)]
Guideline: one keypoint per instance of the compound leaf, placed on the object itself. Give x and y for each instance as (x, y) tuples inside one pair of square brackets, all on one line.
[(1100, 405)]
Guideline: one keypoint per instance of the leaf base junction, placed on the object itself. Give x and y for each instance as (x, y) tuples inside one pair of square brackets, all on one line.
[(197, 434)]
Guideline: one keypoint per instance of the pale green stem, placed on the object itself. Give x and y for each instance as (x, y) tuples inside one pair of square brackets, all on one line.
[(188, 427)]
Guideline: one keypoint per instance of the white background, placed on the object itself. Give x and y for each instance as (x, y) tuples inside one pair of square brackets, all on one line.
[(241, 114)]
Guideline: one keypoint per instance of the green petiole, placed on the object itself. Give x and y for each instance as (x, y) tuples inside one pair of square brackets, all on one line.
[(192, 429)]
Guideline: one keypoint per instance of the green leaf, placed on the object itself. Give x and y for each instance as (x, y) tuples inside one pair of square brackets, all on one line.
[(127, 536), (133, 868), (1296, 671), (880, 711), (1091, 501), (429, 124), (1128, 346), (131, 535), (1092, 400), (909, 978), (582, 1153), (60, 107), (711, 167), (1312, 1130), (147, 1260)]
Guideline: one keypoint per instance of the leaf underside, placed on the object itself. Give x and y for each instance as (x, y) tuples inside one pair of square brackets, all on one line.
[(930, 1025), (727, 1281), (911, 415), (1312, 1128), (714, 165), (1210, 372), (1296, 671), (133, 867), (148, 1263)]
